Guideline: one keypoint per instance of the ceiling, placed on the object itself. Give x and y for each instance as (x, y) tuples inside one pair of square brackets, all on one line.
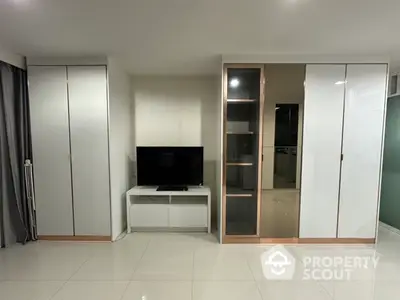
[(188, 36)]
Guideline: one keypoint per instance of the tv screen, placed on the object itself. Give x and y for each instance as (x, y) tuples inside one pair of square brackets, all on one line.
[(169, 166)]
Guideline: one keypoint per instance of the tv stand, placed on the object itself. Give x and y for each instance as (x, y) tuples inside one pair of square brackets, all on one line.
[(172, 188), (151, 209)]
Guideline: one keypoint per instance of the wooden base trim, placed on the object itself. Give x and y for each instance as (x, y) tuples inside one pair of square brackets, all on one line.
[(297, 241), (240, 240), (76, 238), (279, 241), (336, 241)]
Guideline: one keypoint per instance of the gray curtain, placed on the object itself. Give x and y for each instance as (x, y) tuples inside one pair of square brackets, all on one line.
[(16, 213)]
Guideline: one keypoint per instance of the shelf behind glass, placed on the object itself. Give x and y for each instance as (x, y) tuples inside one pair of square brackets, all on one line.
[(241, 179), (242, 148), (241, 216)]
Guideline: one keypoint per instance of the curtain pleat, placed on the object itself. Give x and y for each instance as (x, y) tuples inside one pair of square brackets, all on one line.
[(16, 211)]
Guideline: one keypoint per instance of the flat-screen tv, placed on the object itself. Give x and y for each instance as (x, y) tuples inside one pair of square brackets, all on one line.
[(169, 166)]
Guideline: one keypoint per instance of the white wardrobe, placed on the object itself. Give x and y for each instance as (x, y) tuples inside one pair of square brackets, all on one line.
[(69, 123), (344, 114)]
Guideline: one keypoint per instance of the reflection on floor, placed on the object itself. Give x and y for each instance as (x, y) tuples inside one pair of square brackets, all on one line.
[(279, 213), (165, 266)]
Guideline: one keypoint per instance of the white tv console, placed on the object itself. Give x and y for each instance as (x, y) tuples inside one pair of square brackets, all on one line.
[(168, 209)]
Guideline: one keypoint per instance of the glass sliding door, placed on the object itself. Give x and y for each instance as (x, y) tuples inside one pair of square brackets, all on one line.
[(390, 191), (242, 155)]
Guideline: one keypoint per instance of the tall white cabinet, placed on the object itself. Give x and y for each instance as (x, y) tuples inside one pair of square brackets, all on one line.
[(322, 139), (363, 133), (87, 86), (48, 93), (342, 150), (69, 120)]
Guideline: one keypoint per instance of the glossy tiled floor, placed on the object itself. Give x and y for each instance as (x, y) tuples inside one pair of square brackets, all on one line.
[(152, 266)]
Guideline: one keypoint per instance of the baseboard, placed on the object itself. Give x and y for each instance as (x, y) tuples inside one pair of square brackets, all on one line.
[(76, 238), (298, 241), (389, 227), (240, 240), (336, 240), (282, 241), (169, 229)]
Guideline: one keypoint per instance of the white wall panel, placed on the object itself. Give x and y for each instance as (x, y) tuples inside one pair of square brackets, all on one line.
[(87, 88), (167, 113), (51, 149), (323, 114), (362, 144), (175, 111), (120, 143)]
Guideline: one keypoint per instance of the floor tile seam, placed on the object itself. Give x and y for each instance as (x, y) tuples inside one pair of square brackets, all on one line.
[(68, 280), (254, 278), (125, 290), (58, 290), (80, 267), (324, 289), (140, 259), (192, 292)]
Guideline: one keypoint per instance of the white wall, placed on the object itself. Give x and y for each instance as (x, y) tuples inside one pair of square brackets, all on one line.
[(120, 143), (11, 58), (179, 111), (176, 111)]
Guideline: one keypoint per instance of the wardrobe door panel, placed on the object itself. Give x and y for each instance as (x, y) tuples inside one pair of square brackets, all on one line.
[(87, 86), (51, 149), (362, 145), (322, 136)]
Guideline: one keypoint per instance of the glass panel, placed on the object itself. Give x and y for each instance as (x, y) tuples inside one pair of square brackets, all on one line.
[(241, 179), (242, 144), (242, 117), (285, 167), (244, 84), (241, 148), (393, 84), (286, 125), (282, 135), (286, 139), (390, 204), (241, 215)]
